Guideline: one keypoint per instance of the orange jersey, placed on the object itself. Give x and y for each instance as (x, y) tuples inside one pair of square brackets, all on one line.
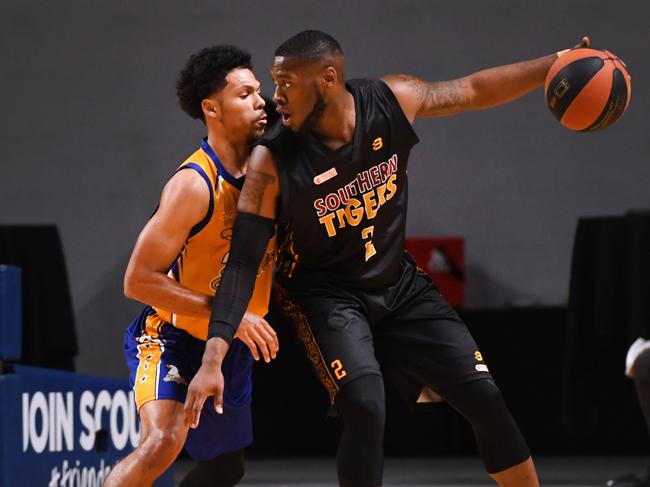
[(202, 260)]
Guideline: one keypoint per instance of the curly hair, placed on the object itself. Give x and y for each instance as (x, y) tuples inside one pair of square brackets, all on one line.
[(205, 73)]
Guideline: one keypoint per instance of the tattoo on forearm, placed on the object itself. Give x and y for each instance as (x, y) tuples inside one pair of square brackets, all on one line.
[(253, 193), (439, 97)]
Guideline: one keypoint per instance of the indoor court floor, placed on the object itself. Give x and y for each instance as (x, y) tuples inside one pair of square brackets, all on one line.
[(439, 472)]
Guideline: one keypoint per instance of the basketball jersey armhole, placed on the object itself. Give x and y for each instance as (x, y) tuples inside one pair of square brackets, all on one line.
[(398, 112), (201, 225)]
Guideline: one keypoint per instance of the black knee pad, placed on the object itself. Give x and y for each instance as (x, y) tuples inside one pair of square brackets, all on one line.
[(360, 459), (362, 402), (226, 470), (499, 440)]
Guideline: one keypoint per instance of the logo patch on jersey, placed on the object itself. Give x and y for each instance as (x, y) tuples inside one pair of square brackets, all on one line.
[(372, 188), (326, 176), (481, 368), (377, 144), (174, 376)]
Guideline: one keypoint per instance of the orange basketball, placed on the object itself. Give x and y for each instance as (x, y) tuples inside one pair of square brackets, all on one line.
[(587, 89)]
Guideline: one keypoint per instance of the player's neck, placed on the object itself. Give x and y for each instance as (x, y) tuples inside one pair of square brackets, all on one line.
[(233, 156), (336, 126)]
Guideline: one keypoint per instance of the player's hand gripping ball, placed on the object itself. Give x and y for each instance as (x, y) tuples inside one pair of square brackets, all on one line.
[(588, 89)]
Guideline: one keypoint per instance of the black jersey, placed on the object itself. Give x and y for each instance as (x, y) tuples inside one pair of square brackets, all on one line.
[(343, 212)]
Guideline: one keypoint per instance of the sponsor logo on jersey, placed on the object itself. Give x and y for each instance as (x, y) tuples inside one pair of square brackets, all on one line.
[(174, 376), (481, 368), (326, 176), (377, 144)]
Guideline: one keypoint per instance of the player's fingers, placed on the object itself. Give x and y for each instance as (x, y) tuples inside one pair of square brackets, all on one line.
[(244, 336), (586, 42), (218, 400), (252, 346), (269, 336), (262, 345), (187, 408), (196, 410), (192, 408)]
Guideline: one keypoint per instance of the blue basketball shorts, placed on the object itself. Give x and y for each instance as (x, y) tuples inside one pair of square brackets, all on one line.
[(163, 359)]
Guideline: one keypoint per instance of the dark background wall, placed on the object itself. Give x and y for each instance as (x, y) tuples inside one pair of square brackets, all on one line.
[(90, 130)]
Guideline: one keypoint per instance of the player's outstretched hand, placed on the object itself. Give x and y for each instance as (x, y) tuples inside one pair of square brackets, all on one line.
[(584, 42), (256, 333), (207, 382)]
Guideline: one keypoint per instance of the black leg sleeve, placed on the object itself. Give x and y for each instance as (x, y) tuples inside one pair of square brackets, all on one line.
[(499, 440), (642, 383), (223, 471), (360, 458)]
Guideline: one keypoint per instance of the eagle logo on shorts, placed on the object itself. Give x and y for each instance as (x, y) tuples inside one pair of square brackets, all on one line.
[(174, 376)]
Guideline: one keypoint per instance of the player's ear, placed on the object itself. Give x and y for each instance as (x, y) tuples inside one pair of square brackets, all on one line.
[(211, 109), (330, 76)]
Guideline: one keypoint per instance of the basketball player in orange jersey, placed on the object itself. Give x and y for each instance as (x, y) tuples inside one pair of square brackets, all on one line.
[(333, 178), (177, 266)]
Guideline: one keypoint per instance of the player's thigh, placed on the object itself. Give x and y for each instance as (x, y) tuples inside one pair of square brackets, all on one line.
[(425, 343), (336, 335)]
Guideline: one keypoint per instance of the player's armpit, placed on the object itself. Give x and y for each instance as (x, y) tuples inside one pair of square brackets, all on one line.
[(261, 190)]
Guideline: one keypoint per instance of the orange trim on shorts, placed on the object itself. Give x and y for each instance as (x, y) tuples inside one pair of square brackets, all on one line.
[(309, 340), (149, 354)]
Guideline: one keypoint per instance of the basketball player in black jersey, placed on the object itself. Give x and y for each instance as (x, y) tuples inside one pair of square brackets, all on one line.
[(332, 179)]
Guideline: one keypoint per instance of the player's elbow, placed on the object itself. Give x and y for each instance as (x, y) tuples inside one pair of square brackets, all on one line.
[(132, 285)]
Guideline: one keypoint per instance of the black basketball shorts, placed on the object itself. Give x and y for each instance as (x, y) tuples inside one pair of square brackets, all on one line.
[(406, 330)]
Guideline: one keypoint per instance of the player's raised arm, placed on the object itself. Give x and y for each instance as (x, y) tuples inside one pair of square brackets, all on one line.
[(480, 90), (254, 227)]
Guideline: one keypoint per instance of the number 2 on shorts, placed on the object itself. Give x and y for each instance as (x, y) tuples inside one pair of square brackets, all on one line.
[(338, 369)]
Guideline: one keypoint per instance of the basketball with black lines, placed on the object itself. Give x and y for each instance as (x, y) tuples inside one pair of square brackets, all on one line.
[(588, 89)]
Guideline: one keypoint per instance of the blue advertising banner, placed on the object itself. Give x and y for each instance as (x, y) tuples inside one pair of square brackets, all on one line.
[(61, 429)]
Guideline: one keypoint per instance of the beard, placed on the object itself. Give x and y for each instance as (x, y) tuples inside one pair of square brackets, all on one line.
[(315, 115)]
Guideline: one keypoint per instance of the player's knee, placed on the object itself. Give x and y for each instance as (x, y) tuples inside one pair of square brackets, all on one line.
[(362, 403), (498, 437), (162, 443), (477, 401)]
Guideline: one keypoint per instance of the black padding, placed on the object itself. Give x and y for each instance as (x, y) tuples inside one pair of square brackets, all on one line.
[(359, 458), (615, 105), (226, 470), (642, 383), (569, 82), (497, 436)]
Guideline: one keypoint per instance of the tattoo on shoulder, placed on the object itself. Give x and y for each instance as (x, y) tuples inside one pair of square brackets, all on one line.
[(440, 96), (254, 188)]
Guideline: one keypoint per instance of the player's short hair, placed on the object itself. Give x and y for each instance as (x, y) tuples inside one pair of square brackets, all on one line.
[(311, 44), (205, 73)]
